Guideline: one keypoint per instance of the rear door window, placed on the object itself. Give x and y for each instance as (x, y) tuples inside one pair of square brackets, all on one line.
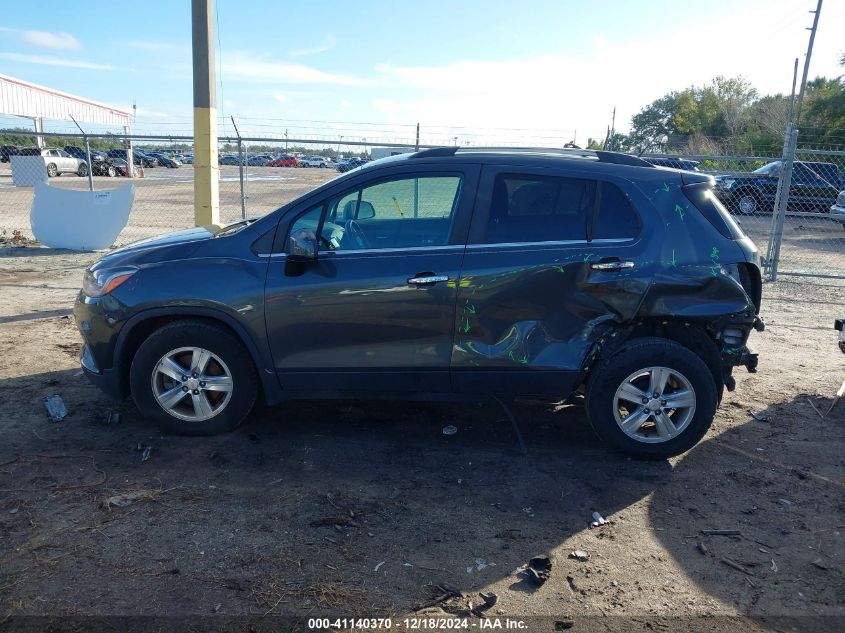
[(529, 208), (615, 217)]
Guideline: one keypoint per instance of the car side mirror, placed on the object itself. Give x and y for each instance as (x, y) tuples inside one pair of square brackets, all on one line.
[(366, 210), (302, 245)]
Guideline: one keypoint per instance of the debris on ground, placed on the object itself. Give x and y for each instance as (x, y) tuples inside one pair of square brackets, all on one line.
[(774, 565), (758, 416), (16, 239), (538, 570), (128, 498), (563, 625), (701, 547), (479, 564), (112, 417), (145, 454), (450, 430), (820, 564), (446, 592), (597, 520), (55, 408), (337, 521), (490, 598), (721, 532), (580, 554), (377, 567), (734, 565)]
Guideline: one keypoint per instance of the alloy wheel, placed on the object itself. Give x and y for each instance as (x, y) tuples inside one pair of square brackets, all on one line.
[(654, 404), (192, 384)]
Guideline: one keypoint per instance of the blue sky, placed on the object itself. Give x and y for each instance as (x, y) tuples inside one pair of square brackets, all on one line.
[(479, 70)]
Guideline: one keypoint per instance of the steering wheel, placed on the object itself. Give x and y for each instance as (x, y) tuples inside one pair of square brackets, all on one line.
[(354, 229)]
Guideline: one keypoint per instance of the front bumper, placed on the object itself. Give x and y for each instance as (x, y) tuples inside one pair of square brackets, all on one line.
[(837, 213), (98, 334)]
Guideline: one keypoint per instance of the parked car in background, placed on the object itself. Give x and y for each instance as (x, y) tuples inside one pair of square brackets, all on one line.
[(8, 150), (138, 157), (259, 160), (673, 162), (229, 159), (810, 191), (164, 160), (837, 209), (58, 161), (76, 152), (315, 161), (110, 167), (521, 273), (285, 160), (349, 163), (186, 159)]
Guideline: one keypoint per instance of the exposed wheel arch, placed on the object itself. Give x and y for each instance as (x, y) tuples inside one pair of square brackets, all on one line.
[(688, 334), (140, 326)]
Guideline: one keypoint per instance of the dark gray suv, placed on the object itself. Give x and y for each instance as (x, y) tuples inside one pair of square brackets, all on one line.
[(448, 271)]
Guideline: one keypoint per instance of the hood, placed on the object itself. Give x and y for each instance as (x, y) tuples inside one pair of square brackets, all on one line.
[(160, 248)]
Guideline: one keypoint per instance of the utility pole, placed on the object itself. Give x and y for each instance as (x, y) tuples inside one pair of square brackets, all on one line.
[(206, 166), (417, 146), (812, 30)]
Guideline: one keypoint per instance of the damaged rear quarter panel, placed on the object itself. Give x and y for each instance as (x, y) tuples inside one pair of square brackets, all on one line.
[(528, 315)]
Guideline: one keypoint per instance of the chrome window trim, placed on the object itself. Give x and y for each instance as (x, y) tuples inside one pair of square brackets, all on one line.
[(551, 243), (408, 249)]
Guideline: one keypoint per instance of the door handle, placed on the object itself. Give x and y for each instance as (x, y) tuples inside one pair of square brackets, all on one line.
[(427, 280), (617, 265)]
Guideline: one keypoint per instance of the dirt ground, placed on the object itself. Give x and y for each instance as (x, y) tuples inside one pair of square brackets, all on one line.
[(368, 509)]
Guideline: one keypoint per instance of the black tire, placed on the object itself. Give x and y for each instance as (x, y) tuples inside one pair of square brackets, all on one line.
[(609, 374), (111, 172), (52, 171), (217, 340), (82, 171)]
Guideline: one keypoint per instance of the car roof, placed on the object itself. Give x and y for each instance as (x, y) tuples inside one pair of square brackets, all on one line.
[(599, 161)]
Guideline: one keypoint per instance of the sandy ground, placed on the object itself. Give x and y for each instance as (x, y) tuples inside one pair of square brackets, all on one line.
[(364, 508)]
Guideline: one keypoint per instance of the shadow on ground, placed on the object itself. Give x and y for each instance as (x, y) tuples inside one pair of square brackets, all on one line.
[(367, 506)]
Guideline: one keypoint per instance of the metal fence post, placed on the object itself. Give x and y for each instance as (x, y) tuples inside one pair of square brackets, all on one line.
[(781, 202), (87, 155), (240, 167)]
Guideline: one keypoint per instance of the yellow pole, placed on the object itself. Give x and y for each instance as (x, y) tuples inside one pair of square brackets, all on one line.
[(206, 169)]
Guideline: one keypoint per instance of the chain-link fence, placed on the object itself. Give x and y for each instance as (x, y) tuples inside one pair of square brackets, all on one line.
[(257, 176)]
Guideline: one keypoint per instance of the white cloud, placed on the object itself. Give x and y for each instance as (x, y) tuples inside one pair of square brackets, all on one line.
[(48, 60), (48, 39), (281, 98), (240, 66), (328, 44)]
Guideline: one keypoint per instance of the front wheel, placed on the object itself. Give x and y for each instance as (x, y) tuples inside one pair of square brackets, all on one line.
[(52, 170), (111, 172), (653, 398), (82, 171), (193, 378), (748, 203)]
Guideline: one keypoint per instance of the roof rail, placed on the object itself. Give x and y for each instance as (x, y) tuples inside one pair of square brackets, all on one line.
[(617, 158)]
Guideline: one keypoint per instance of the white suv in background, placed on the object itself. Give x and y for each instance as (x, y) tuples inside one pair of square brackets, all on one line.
[(314, 161), (837, 210), (58, 161)]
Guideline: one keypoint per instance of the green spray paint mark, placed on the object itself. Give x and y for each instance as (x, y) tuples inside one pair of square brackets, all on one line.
[(470, 308), (714, 254), (674, 262), (523, 360), (560, 269), (511, 356), (679, 210), (466, 326), (588, 256)]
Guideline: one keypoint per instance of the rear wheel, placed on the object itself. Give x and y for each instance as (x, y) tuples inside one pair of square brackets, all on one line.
[(193, 378), (111, 172), (82, 171), (654, 398)]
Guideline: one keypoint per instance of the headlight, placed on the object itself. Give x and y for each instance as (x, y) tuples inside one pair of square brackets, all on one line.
[(727, 183), (101, 282)]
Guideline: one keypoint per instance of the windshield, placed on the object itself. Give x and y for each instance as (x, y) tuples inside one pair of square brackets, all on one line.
[(769, 170)]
